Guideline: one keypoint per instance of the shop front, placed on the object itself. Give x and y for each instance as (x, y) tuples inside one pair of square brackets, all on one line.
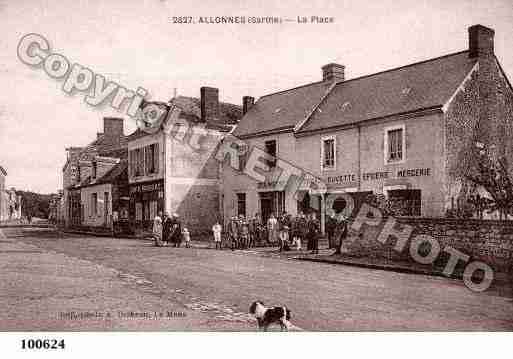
[(146, 200)]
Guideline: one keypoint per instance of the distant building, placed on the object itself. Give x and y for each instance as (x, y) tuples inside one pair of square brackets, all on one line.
[(407, 133), (10, 202), (105, 151), (104, 195)]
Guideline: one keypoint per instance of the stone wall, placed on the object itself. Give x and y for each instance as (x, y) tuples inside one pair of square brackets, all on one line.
[(488, 241)]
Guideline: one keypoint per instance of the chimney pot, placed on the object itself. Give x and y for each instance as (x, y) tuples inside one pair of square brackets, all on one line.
[(247, 103), (333, 72), (480, 40), (209, 103), (113, 129)]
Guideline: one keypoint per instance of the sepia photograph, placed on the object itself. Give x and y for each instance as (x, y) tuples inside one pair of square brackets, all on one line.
[(255, 166)]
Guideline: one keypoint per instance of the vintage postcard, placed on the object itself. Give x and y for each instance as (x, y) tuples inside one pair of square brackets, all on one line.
[(235, 166)]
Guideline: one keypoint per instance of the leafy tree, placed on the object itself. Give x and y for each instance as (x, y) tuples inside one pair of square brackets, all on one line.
[(34, 204), (491, 172)]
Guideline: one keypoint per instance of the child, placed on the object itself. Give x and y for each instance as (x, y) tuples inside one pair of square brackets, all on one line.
[(284, 238), (216, 228), (297, 243), (186, 237)]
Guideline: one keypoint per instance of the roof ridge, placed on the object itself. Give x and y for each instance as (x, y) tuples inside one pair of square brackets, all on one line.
[(369, 75), (293, 88), (404, 66)]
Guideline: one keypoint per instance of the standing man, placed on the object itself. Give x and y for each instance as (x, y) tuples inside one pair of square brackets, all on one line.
[(314, 229), (166, 228), (233, 232), (330, 230), (244, 232), (252, 231)]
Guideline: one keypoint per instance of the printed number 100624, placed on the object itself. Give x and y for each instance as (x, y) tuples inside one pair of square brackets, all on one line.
[(42, 344)]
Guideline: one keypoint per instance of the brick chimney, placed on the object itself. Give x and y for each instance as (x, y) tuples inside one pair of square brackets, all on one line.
[(247, 103), (480, 39), (209, 103), (113, 129), (333, 72), (481, 47)]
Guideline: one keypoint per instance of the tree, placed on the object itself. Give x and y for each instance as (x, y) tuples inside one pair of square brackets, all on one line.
[(491, 172), (34, 204)]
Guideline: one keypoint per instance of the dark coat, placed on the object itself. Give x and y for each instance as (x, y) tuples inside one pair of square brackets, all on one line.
[(176, 230), (166, 229), (314, 228), (303, 227)]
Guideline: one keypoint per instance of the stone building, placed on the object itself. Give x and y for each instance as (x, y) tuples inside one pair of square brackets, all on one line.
[(406, 133), (173, 170), (10, 202), (105, 151), (104, 195)]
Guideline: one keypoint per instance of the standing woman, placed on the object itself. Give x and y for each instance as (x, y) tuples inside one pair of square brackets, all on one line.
[(303, 230), (157, 229), (176, 231), (272, 229)]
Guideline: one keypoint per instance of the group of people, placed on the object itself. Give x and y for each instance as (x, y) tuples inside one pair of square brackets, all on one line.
[(168, 231), (285, 231), (293, 232), (245, 233)]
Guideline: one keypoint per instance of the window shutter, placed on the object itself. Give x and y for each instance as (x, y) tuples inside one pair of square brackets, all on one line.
[(140, 161), (147, 166), (156, 157), (130, 164)]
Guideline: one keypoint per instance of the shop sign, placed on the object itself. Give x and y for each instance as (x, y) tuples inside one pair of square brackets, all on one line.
[(414, 172), (401, 173), (351, 177), (151, 187)]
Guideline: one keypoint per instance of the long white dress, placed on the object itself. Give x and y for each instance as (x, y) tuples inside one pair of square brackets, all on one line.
[(272, 227), (157, 230)]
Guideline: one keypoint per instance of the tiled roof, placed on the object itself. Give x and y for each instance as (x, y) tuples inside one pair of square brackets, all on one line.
[(104, 146), (116, 172), (422, 85), (282, 109), (229, 115)]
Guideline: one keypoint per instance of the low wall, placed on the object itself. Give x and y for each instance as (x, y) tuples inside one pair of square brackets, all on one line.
[(487, 241)]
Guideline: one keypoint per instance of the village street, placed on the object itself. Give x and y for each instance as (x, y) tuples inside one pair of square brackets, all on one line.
[(45, 275)]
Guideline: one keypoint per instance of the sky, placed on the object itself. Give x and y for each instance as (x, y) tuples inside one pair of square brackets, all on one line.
[(136, 44)]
